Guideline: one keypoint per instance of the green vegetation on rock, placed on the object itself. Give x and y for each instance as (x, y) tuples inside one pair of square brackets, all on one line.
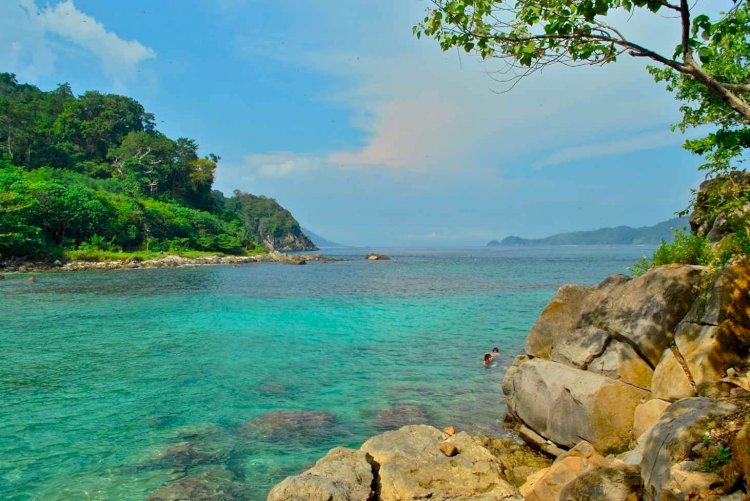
[(91, 174)]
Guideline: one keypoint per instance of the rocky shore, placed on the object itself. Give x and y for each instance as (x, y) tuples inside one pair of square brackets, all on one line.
[(636, 388), (169, 261)]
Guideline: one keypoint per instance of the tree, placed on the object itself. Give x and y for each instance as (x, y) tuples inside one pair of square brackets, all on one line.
[(709, 65)]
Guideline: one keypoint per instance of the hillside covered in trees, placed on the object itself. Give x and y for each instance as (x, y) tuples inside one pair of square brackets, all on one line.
[(92, 173)]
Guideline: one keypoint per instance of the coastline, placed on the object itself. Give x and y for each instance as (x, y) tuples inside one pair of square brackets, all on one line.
[(169, 261)]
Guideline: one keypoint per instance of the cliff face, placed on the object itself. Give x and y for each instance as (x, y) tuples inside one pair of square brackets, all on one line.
[(291, 240), (268, 223)]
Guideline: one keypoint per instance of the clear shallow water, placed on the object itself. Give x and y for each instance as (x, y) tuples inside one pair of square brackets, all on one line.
[(103, 373)]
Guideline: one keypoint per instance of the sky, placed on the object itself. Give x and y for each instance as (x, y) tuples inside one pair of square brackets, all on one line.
[(366, 134)]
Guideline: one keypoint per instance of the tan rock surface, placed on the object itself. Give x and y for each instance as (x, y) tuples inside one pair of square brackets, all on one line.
[(341, 475), (411, 466), (671, 439), (566, 405), (647, 414), (548, 484)]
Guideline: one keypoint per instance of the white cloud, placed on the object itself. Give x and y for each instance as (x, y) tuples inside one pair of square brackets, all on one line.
[(280, 164), (426, 111), (638, 142), (25, 31)]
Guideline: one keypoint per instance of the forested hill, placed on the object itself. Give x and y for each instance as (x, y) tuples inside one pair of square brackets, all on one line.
[(92, 172), (620, 235)]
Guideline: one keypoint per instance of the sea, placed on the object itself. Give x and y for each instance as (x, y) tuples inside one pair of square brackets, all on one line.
[(115, 383)]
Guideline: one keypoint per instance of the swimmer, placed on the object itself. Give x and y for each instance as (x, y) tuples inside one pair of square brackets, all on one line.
[(488, 359)]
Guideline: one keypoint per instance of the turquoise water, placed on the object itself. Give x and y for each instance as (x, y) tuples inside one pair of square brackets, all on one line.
[(114, 383)]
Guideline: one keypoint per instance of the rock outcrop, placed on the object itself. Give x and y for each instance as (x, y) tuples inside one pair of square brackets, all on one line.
[(412, 466), (342, 475), (590, 356)]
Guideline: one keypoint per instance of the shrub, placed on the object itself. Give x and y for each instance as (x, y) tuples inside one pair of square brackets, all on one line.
[(686, 248)]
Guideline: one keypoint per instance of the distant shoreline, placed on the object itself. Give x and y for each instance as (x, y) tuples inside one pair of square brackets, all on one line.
[(169, 261)]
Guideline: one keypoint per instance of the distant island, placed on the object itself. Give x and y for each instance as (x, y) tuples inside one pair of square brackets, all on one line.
[(318, 240), (620, 235)]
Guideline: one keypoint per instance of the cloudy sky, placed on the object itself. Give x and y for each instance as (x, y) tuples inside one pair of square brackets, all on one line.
[(369, 136)]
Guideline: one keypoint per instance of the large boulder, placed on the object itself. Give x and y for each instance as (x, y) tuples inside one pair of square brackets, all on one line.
[(671, 381), (713, 337), (620, 361), (548, 484), (342, 475), (671, 440), (576, 325), (566, 405), (647, 414), (561, 315), (615, 481), (411, 465), (645, 311)]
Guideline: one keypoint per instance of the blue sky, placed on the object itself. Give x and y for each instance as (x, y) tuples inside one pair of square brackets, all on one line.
[(369, 136)]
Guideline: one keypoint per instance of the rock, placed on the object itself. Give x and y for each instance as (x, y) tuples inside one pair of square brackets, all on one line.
[(643, 312), (671, 439), (731, 372), (538, 442), (291, 425), (214, 485), (181, 456), (646, 414), (561, 315), (411, 466), (377, 257), (580, 347), (687, 482), (620, 361), (548, 484), (566, 405), (670, 381), (449, 430), (342, 475), (741, 452), (2, 277), (448, 449), (31, 280), (518, 460), (614, 482), (400, 415)]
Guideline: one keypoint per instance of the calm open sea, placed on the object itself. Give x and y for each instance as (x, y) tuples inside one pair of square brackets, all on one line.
[(114, 383)]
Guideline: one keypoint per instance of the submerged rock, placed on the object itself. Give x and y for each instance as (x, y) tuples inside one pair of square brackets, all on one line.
[(342, 475), (400, 415), (182, 456), (213, 485), (291, 425)]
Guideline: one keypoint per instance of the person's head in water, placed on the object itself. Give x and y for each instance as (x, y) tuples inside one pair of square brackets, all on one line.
[(495, 351), (487, 359)]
